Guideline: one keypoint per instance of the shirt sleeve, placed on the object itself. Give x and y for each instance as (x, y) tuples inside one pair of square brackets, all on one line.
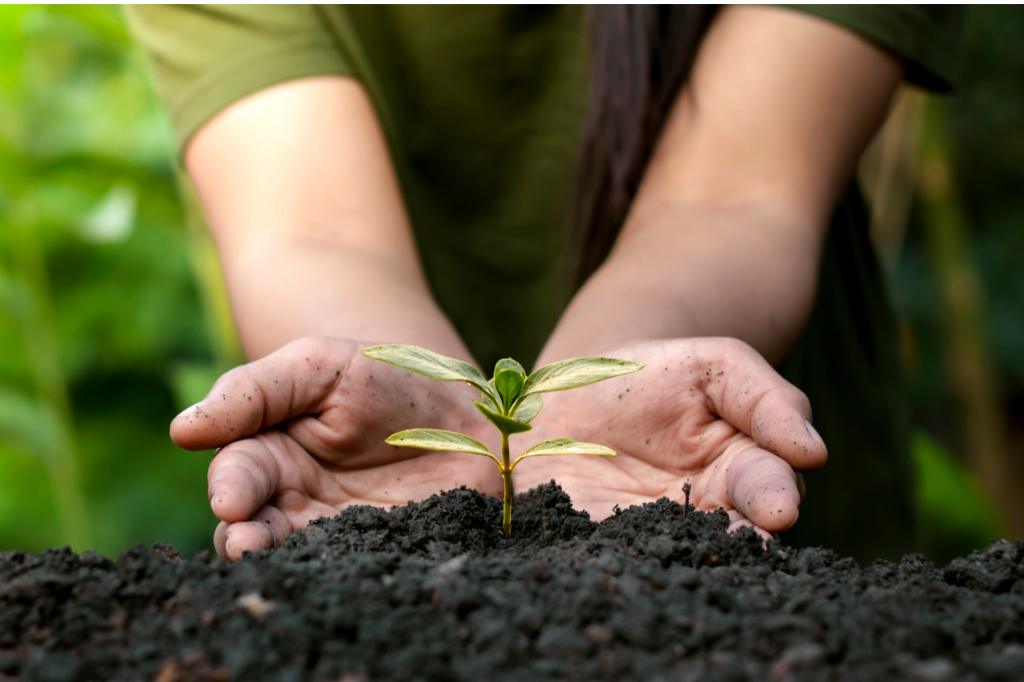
[(925, 37), (206, 57)]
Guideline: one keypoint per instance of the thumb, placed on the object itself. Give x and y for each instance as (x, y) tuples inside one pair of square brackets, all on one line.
[(749, 394), (289, 382)]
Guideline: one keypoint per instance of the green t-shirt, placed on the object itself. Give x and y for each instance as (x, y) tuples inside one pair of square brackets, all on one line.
[(482, 108)]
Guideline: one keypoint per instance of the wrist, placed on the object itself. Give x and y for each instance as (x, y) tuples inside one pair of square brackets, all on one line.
[(336, 292)]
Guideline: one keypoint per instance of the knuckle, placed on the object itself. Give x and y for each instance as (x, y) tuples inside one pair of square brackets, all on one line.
[(232, 462)]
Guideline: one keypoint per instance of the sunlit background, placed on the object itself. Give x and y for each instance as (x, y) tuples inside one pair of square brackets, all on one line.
[(112, 319)]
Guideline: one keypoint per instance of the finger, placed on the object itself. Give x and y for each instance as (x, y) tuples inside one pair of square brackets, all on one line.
[(737, 521), (764, 489), (242, 478), (267, 530), (248, 536), (301, 510), (220, 536), (746, 392), (287, 383), (276, 521)]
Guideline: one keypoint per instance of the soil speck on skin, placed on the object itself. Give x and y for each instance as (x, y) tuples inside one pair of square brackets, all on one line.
[(434, 591)]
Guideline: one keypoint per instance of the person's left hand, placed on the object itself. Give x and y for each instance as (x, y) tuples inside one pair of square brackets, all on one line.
[(707, 411)]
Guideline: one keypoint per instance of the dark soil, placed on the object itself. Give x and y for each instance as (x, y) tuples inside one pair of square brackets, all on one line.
[(432, 591)]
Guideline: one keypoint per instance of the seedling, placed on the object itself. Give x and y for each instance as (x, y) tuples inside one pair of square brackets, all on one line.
[(511, 400)]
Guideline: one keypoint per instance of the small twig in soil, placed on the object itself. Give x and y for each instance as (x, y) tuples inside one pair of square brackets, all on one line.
[(686, 504)]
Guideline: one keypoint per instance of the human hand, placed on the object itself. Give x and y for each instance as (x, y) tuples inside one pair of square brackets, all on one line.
[(708, 411), (302, 433)]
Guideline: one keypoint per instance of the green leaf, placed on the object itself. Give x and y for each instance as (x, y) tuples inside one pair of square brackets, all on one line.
[(508, 382), (495, 397), (506, 425), (490, 401), (564, 446), (509, 363), (528, 408), (427, 363), (436, 439), (567, 374)]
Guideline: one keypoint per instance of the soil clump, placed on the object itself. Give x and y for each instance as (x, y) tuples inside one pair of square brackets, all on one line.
[(433, 591)]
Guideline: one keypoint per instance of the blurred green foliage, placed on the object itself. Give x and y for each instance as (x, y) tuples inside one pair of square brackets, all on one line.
[(957, 517), (105, 335), (986, 120), (97, 300), (985, 127)]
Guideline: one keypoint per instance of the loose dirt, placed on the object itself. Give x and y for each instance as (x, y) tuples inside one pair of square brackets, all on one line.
[(432, 591)]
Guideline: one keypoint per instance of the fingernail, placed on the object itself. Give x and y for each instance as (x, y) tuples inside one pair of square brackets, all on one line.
[(813, 432)]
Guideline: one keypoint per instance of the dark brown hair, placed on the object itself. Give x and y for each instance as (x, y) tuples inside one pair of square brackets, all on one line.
[(640, 56)]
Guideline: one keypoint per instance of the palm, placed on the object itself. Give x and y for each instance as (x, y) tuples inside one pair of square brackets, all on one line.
[(317, 414), (687, 417)]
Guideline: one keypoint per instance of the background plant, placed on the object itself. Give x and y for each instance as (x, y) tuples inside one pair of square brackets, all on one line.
[(512, 400), (102, 337)]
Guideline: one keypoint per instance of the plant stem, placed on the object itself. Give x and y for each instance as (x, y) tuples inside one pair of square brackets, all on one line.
[(506, 475)]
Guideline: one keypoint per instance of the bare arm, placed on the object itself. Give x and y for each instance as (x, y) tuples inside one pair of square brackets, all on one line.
[(725, 235), (299, 192)]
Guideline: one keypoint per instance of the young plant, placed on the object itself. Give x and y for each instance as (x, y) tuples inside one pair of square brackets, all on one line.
[(511, 400)]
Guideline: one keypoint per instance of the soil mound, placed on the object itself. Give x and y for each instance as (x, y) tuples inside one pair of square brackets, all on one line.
[(433, 591)]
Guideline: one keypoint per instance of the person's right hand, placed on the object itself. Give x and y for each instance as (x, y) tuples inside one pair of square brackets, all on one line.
[(707, 411), (302, 433)]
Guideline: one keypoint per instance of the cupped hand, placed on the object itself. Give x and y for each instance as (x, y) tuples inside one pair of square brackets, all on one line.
[(711, 412), (302, 433)]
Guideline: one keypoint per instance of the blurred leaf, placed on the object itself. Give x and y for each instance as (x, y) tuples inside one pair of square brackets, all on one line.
[(113, 220), (86, 175), (28, 423), (15, 297), (104, 21), (27, 505), (192, 381), (956, 515)]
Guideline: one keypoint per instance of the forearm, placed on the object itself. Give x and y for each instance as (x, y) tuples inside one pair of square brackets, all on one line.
[(298, 189), (284, 289), (698, 269), (725, 233)]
